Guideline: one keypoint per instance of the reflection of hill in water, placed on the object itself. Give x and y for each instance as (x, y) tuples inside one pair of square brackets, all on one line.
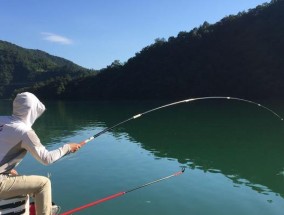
[(241, 141)]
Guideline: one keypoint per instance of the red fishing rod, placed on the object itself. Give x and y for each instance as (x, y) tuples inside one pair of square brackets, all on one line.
[(120, 194)]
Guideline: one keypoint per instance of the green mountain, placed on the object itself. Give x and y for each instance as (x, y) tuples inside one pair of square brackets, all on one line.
[(20, 67), (241, 55)]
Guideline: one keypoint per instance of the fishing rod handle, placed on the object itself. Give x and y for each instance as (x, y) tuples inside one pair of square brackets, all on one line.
[(85, 141)]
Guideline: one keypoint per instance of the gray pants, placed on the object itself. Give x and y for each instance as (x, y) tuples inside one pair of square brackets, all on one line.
[(37, 186)]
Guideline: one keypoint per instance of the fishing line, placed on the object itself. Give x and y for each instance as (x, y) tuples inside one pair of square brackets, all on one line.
[(121, 193), (176, 103)]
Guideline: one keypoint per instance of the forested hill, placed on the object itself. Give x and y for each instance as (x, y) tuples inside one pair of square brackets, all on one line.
[(20, 67), (241, 55)]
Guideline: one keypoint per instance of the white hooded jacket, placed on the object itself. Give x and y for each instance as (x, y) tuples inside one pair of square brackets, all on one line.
[(17, 136)]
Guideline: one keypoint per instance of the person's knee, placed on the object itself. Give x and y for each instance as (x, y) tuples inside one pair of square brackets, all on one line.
[(45, 183)]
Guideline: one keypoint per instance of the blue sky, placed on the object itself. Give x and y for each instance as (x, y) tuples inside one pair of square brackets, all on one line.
[(94, 33)]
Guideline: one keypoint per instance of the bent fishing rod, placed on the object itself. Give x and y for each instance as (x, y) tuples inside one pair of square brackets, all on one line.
[(176, 103), (121, 193)]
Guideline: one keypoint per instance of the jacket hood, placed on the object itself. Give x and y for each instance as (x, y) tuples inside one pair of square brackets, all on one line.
[(27, 107)]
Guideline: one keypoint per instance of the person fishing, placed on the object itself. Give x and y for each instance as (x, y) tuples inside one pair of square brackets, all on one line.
[(16, 139)]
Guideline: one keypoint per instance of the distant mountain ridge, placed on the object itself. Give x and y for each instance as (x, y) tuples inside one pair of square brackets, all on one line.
[(241, 55), (20, 67)]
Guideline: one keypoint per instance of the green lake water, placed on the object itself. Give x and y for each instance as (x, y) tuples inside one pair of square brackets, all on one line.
[(233, 153)]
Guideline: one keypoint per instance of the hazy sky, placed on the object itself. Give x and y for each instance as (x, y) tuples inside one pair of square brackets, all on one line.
[(94, 33)]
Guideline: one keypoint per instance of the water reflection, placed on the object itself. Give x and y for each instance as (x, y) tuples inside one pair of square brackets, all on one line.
[(243, 144), (241, 141), (238, 140)]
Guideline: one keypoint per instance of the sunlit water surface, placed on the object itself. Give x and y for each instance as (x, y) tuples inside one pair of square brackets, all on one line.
[(233, 153)]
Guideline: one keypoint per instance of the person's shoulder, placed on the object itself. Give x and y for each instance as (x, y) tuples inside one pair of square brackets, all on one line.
[(20, 126), (13, 123)]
